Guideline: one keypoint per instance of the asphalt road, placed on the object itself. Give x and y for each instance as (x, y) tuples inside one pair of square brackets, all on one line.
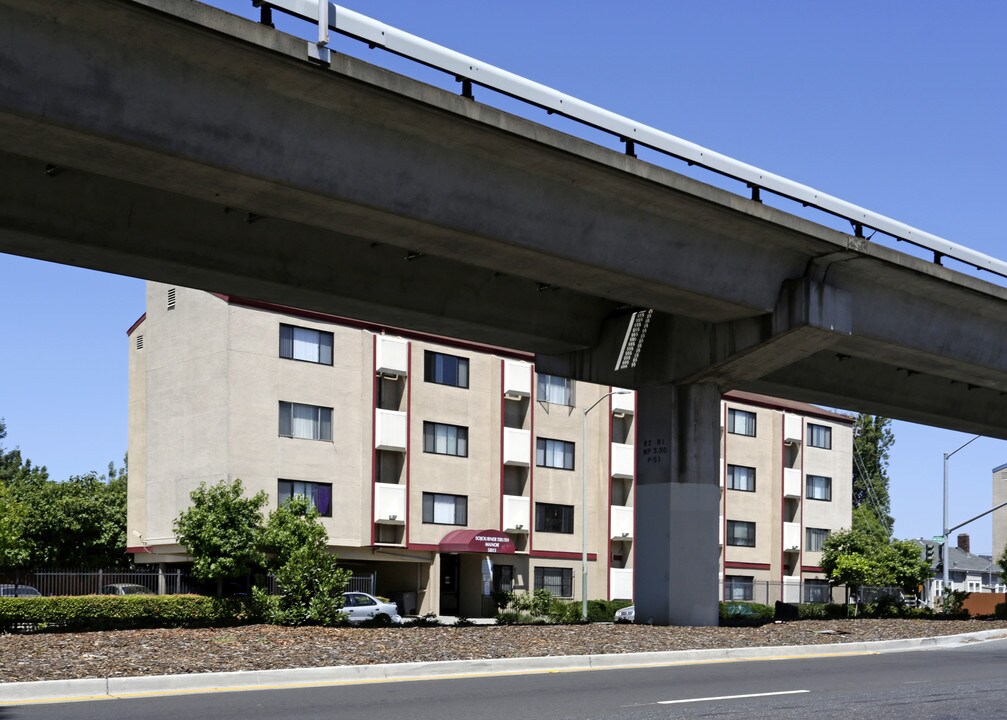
[(964, 682)]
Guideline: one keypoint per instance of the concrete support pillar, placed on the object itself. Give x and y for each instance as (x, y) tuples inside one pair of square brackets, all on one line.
[(677, 504)]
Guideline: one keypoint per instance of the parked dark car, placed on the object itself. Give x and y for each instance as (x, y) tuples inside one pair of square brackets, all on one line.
[(19, 591)]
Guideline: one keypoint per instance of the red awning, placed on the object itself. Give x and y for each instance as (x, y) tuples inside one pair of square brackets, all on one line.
[(477, 541)]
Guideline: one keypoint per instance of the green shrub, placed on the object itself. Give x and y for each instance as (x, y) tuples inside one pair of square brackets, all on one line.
[(950, 605), (821, 611), (106, 612), (738, 614), (1000, 611)]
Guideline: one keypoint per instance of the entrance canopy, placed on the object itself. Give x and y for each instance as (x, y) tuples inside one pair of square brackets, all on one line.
[(477, 541)]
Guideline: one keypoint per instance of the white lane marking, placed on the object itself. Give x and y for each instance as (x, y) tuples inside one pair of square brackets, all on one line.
[(731, 697)]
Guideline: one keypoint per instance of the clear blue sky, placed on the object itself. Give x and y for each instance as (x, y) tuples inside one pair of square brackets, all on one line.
[(897, 106)]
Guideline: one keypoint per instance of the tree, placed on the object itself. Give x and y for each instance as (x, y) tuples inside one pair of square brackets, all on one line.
[(222, 531), (872, 441), (13, 553), (292, 525), (310, 580), (856, 558), (78, 523)]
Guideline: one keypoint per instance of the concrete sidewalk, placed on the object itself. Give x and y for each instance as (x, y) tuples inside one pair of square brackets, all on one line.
[(120, 687)]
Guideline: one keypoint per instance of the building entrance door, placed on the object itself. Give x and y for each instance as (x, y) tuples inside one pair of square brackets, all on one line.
[(450, 567)]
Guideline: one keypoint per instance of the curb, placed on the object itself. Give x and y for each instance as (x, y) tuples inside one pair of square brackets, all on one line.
[(118, 687)]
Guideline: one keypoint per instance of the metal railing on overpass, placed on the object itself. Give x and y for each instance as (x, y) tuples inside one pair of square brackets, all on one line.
[(470, 71)]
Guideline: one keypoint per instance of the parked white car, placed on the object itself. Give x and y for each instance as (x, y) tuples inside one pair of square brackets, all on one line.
[(627, 614), (362, 607)]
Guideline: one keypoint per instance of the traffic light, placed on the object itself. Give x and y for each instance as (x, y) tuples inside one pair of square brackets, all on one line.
[(930, 553)]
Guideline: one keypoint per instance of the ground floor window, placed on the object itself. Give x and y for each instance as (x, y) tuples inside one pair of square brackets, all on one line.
[(817, 591), (503, 578), (558, 581), (738, 587)]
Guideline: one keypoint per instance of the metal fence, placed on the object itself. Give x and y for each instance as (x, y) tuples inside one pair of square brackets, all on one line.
[(809, 591), (769, 592), (159, 582)]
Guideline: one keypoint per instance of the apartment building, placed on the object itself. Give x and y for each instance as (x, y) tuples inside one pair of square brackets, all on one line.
[(446, 469)]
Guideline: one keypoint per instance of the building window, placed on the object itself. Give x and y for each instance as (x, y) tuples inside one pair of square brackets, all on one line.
[(819, 487), (741, 533), (817, 591), (305, 421), (446, 369), (318, 494), (740, 422), (738, 587), (503, 578), (439, 509), (740, 477), (297, 343), (815, 538), (555, 390), (819, 436), (445, 439), (554, 518), (554, 453), (558, 581)]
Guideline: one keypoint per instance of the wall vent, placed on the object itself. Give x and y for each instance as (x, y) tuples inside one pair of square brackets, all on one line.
[(139, 342), (171, 298)]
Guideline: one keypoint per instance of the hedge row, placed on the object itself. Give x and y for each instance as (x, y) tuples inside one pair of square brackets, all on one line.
[(104, 612)]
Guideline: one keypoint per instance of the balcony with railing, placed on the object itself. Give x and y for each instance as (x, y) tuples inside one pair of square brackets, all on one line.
[(391, 356), (517, 379), (389, 504), (516, 514), (516, 447), (623, 402), (792, 483), (792, 428), (623, 457), (620, 583), (791, 537), (390, 430), (622, 522)]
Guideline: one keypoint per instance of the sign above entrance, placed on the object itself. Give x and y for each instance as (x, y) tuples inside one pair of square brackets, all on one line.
[(477, 541)]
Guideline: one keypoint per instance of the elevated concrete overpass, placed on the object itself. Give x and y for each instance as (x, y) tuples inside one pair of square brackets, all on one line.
[(172, 141)]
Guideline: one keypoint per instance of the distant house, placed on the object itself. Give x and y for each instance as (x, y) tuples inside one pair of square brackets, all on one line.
[(967, 572)]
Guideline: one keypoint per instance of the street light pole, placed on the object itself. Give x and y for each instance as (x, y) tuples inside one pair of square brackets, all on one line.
[(945, 559), (583, 504)]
